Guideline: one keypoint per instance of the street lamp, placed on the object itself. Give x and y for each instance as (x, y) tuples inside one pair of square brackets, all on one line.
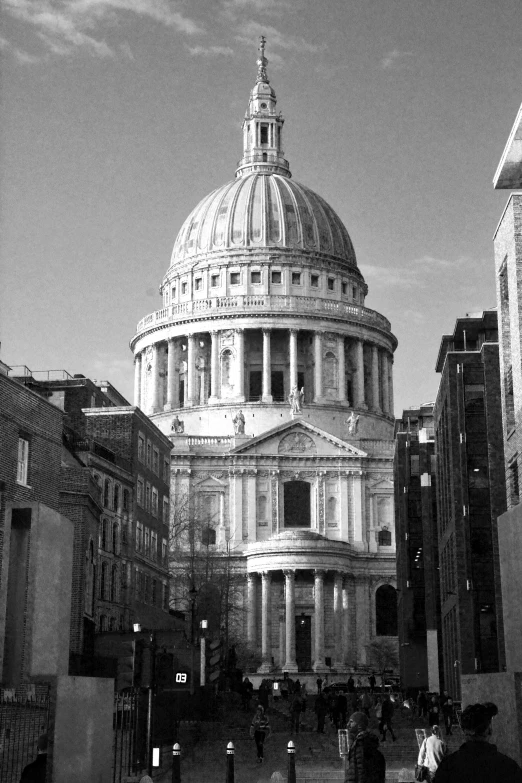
[(192, 593)]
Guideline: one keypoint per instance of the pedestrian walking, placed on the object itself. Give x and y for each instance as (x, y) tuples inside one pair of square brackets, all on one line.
[(35, 772), (447, 712), (319, 682), (260, 731), (385, 723), (246, 693), (263, 694), (433, 711), (422, 704), (366, 764), (366, 703), (372, 682), (296, 708), (478, 760), (431, 753), (351, 684), (321, 710)]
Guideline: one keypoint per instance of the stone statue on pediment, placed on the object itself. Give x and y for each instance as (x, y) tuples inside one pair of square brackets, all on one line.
[(239, 423), (295, 398), (353, 423), (178, 426)]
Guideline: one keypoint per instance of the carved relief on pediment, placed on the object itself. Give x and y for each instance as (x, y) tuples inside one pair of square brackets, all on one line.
[(297, 443)]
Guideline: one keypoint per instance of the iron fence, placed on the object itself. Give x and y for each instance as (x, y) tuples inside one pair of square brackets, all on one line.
[(24, 717), (129, 735)]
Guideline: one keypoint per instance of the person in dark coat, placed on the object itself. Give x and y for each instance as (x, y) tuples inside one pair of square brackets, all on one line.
[(246, 693), (366, 764), (321, 710), (433, 711), (422, 704), (263, 694), (385, 723), (319, 682), (371, 682), (296, 708), (35, 771), (260, 731), (351, 684), (478, 760), (447, 711)]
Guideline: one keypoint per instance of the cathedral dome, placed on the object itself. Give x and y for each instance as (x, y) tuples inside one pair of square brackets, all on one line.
[(263, 209)]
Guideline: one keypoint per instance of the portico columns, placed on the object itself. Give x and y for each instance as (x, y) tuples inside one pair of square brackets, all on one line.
[(240, 367), (345, 625), (318, 367), (338, 628), (266, 653), (290, 662), (342, 369), (267, 367), (155, 378), (360, 401), (293, 358), (251, 609), (171, 373), (319, 664), (376, 402), (390, 390), (137, 380), (214, 366), (385, 384), (191, 369)]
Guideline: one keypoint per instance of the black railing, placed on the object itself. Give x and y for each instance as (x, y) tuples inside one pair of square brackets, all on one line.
[(24, 717)]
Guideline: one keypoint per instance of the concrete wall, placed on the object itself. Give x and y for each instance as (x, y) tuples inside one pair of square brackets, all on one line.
[(510, 550), (81, 738), (505, 690)]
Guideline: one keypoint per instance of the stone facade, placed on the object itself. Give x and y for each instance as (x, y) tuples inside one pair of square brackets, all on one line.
[(274, 383)]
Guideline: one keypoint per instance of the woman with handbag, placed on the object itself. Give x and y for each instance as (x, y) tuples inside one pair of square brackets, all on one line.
[(431, 753)]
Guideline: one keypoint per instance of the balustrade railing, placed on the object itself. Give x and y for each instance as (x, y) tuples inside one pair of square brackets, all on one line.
[(262, 303)]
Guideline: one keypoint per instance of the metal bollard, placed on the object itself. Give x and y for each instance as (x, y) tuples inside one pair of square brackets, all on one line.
[(230, 763), (176, 763), (291, 762)]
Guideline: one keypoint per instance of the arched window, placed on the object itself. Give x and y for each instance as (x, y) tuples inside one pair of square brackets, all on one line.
[(112, 624), (125, 500), (386, 611), (104, 537), (103, 581), (115, 539), (385, 537), (103, 623), (330, 372), (116, 504), (226, 370), (106, 492), (114, 583)]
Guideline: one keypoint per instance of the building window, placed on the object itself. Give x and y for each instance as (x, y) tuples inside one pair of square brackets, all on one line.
[(139, 491), (234, 278), (23, 461), (116, 499), (331, 283), (154, 501), (255, 277), (174, 292), (103, 581), (276, 277), (146, 541), (354, 293), (154, 545), (184, 287), (106, 493), (149, 454), (141, 448), (214, 281), (314, 281), (104, 537), (386, 611), (165, 517), (125, 500), (344, 288), (414, 465), (165, 596), (385, 537), (154, 592), (115, 539), (198, 283), (164, 551), (139, 537), (103, 623), (296, 278), (208, 536), (114, 583), (147, 496), (264, 133), (155, 461)]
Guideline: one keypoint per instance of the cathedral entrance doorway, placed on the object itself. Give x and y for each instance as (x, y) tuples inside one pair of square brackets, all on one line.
[(297, 504), (303, 642)]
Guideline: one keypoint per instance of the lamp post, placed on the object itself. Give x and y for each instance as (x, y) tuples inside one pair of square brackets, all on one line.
[(202, 660), (192, 593)]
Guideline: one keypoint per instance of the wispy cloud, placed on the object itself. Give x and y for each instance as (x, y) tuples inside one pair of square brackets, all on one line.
[(261, 6), (417, 273), (210, 51), (248, 31), (394, 59), (67, 25), (19, 54)]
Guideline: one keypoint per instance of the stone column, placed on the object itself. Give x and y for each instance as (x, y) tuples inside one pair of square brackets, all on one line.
[(266, 617), (267, 367), (376, 400), (293, 357), (342, 369), (360, 401), (338, 626), (290, 662), (282, 651), (155, 379), (318, 367), (137, 380), (214, 367), (171, 372), (251, 609), (345, 625), (240, 366), (319, 664), (191, 369), (390, 376), (385, 384)]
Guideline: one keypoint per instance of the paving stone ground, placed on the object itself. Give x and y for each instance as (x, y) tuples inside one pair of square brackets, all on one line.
[(317, 755)]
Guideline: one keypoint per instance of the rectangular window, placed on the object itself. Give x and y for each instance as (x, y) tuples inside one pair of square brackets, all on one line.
[(198, 283), (154, 501), (23, 461), (296, 278), (140, 485), (255, 277), (331, 283), (155, 461), (149, 454), (344, 288), (165, 511), (184, 287), (276, 277), (146, 541), (139, 537), (314, 281), (234, 278), (154, 592), (214, 281), (147, 496), (154, 545), (166, 470), (264, 134), (174, 292), (354, 292), (141, 447), (164, 551)]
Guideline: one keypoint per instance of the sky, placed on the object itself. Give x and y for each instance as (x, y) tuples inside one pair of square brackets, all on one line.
[(119, 116)]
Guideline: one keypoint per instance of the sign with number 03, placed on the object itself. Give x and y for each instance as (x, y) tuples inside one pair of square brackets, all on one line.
[(181, 677)]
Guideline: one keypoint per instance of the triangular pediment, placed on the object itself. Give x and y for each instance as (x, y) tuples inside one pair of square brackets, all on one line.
[(298, 438), (381, 483), (211, 482)]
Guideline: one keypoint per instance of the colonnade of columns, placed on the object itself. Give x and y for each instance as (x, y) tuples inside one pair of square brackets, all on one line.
[(371, 388), (287, 642)]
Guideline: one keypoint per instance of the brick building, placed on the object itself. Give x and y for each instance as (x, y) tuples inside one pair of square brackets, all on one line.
[(508, 268), (417, 549), (470, 497)]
